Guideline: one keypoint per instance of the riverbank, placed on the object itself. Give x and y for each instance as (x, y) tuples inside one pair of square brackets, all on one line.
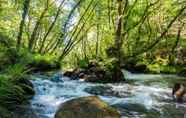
[(179, 70), (16, 68), (100, 72)]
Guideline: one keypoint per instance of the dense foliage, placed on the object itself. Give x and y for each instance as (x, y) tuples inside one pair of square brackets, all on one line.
[(82, 29)]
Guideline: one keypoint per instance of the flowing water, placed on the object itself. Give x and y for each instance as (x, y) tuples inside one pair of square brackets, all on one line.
[(142, 96)]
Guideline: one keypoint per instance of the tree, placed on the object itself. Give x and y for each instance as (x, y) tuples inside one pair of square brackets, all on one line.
[(118, 75), (22, 23), (51, 27), (32, 39)]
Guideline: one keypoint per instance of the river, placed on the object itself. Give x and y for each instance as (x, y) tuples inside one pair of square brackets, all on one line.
[(141, 96)]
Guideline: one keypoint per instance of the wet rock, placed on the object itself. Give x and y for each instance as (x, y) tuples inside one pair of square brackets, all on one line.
[(57, 77), (91, 78), (24, 111), (103, 91), (132, 107), (86, 107), (131, 110), (173, 111), (78, 73), (75, 74), (95, 73), (68, 73), (81, 75)]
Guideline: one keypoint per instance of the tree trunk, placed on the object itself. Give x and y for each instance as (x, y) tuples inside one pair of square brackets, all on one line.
[(22, 23), (171, 56), (51, 27), (118, 75), (97, 42), (35, 30)]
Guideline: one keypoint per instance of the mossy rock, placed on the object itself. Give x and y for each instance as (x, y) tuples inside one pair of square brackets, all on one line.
[(43, 65), (86, 107)]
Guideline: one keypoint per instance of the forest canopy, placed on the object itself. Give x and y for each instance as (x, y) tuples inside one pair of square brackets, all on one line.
[(148, 31)]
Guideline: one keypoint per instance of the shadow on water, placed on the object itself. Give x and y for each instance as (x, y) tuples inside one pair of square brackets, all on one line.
[(142, 96)]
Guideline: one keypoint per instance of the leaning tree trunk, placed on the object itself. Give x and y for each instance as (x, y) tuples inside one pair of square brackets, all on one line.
[(22, 23), (32, 39), (50, 28)]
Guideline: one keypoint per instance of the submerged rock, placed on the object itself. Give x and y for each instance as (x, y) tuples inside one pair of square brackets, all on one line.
[(105, 91), (131, 110), (173, 111), (25, 111), (86, 107), (57, 77)]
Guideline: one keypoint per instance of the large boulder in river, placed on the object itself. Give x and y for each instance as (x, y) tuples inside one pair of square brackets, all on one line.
[(86, 107)]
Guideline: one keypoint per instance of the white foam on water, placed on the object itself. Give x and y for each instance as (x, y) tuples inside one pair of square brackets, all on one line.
[(50, 94)]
